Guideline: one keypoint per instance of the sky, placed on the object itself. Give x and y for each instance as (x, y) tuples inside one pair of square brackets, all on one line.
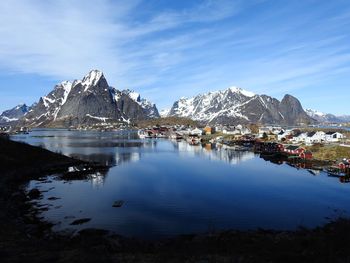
[(170, 49)]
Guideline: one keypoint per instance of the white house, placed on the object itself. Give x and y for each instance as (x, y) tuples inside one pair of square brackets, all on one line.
[(196, 131), (299, 138), (333, 136), (283, 134), (315, 137)]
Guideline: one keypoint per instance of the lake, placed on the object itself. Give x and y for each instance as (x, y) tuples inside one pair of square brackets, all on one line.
[(171, 188)]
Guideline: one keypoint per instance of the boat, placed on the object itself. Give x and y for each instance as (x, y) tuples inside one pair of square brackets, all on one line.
[(118, 203), (161, 135), (144, 134), (176, 136), (335, 172)]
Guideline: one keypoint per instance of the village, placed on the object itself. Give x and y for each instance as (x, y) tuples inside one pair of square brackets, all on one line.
[(317, 149), (329, 146)]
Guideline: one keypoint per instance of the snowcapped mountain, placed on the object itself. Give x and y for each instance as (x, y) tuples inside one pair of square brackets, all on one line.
[(235, 105), (164, 113), (327, 117), (150, 108), (14, 114), (87, 101)]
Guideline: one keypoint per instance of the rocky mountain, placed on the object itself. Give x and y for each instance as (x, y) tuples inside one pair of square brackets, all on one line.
[(14, 114), (235, 105), (149, 108), (88, 101), (327, 117)]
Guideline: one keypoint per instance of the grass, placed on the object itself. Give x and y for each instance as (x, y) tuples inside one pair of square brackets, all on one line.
[(329, 152)]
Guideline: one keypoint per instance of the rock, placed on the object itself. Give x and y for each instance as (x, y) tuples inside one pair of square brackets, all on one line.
[(34, 194), (52, 198), (18, 196), (80, 221), (118, 203)]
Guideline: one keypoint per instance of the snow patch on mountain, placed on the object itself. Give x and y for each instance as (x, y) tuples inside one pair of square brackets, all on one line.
[(91, 79), (164, 113), (314, 113), (211, 105)]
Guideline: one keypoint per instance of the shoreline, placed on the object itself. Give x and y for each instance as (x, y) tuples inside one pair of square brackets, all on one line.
[(28, 237)]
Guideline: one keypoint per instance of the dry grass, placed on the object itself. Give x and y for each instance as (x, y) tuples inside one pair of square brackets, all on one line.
[(329, 152)]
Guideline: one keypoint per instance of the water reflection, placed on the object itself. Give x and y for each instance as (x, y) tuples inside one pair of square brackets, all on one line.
[(174, 188), (213, 152)]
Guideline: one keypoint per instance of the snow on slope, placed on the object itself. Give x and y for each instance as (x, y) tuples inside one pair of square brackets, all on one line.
[(164, 113), (314, 113), (206, 107)]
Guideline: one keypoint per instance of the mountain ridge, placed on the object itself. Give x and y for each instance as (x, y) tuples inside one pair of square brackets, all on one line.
[(327, 117), (14, 114), (235, 105)]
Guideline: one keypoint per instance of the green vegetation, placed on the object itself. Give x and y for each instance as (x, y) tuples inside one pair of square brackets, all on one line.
[(167, 121), (329, 152)]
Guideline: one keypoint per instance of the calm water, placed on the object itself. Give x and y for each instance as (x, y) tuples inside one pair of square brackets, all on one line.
[(172, 188)]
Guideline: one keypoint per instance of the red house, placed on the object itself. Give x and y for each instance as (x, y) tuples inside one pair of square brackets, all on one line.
[(344, 164), (295, 150)]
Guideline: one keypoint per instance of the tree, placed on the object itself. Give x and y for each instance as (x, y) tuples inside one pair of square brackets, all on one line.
[(265, 137)]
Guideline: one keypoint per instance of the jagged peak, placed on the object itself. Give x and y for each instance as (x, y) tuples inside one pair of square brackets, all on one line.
[(21, 105), (232, 89), (132, 94), (66, 85), (242, 91), (92, 78)]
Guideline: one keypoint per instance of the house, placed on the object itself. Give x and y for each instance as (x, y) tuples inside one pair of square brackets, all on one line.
[(268, 147), (196, 132), (333, 136), (271, 137), (283, 135), (315, 137), (231, 131), (344, 164), (209, 130), (295, 150), (306, 155)]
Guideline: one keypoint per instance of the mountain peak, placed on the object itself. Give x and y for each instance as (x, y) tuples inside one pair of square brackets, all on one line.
[(92, 78), (133, 95), (242, 91)]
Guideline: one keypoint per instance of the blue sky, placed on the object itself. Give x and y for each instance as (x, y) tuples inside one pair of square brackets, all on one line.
[(168, 49)]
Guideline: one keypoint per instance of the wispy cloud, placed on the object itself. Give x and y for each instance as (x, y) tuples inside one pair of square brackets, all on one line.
[(189, 47)]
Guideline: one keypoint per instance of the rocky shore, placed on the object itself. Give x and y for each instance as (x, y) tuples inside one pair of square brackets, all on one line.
[(25, 237)]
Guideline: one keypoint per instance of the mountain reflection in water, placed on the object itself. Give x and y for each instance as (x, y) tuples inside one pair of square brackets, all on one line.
[(172, 188)]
